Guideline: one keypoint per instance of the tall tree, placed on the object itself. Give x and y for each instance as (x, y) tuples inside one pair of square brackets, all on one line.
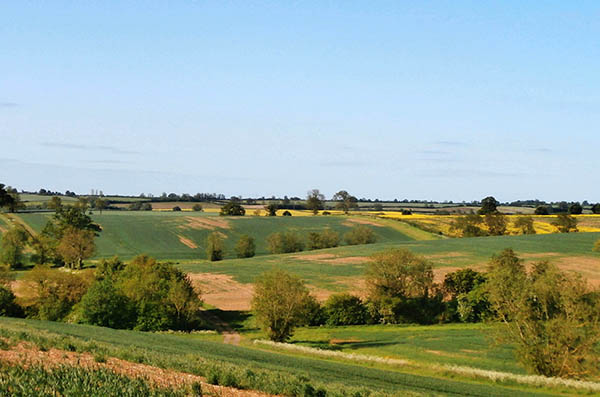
[(314, 201), (489, 205), (76, 245), (345, 201), (12, 245), (280, 302), (6, 198)]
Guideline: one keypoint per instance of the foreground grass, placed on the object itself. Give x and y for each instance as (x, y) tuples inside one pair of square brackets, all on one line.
[(17, 381), (271, 372)]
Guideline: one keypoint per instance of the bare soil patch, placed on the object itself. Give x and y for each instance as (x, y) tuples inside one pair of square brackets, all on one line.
[(314, 257), (362, 221), (187, 241), (350, 260), (223, 291), (201, 222), (587, 266), (539, 255), (27, 355), (440, 274), (455, 254)]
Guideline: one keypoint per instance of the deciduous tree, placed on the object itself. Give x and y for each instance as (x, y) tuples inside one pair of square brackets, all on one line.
[(215, 248), (552, 317), (565, 223), (12, 244), (344, 201), (76, 245), (280, 302), (314, 201), (525, 224), (489, 205)]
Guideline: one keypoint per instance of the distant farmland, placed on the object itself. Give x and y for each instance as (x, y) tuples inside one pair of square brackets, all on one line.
[(182, 235)]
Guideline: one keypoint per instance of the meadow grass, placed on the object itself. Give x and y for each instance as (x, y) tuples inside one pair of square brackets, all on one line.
[(269, 370)]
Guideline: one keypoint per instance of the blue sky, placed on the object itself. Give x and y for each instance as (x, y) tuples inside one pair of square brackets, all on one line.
[(447, 100)]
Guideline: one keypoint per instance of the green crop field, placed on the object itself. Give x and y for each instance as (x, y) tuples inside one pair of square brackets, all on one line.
[(470, 345), (197, 356), (182, 235), (328, 267)]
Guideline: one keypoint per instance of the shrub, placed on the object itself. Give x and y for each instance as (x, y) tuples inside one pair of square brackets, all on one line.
[(286, 213), (284, 242), (565, 223), (233, 208), (8, 304), (406, 212), (214, 247), (360, 234), (345, 309), (271, 209), (525, 223), (177, 208), (542, 210), (104, 305), (315, 313), (245, 247), (575, 209), (325, 239), (50, 294), (596, 208), (146, 207), (325, 213), (197, 207), (12, 246)]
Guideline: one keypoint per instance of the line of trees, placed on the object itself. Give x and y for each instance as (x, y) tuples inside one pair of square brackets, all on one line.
[(552, 317), (289, 241)]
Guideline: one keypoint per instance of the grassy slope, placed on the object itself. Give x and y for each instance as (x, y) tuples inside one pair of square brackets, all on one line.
[(454, 344), (322, 370), (127, 234), (473, 252)]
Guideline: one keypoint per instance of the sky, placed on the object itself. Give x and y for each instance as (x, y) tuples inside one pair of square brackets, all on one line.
[(435, 100)]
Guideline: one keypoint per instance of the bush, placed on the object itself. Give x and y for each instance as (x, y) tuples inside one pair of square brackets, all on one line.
[(542, 210), (245, 247), (286, 213), (406, 212), (8, 304), (325, 239), (104, 305), (360, 234), (233, 208), (575, 209), (177, 208), (345, 309), (325, 213), (565, 223), (214, 247), (596, 208), (197, 207), (315, 313), (284, 242)]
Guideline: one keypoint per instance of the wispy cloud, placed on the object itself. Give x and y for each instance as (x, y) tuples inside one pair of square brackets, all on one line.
[(76, 146), (541, 150), (450, 143), (8, 104), (342, 163)]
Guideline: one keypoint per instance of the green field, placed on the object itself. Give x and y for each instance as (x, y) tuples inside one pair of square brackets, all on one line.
[(197, 356), (573, 251), (158, 234)]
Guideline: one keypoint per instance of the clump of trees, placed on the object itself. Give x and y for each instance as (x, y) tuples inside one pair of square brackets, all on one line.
[(233, 208), (401, 288), (271, 209), (345, 309), (245, 247), (552, 317), (360, 234), (565, 223), (326, 238), (468, 225), (140, 206), (284, 242), (145, 295), (524, 224)]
